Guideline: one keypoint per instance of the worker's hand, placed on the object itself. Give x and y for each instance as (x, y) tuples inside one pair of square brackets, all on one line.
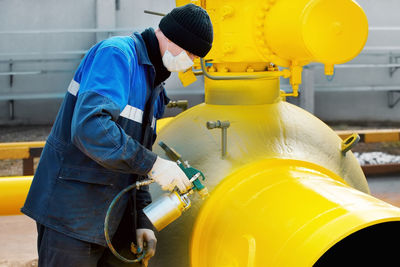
[(168, 174), (146, 238)]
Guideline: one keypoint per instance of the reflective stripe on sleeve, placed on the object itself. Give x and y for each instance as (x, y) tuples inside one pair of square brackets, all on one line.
[(132, 113), (135, 114), (73, 87), (129, 112)]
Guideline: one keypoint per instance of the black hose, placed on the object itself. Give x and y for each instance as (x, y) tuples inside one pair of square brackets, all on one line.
[(107, 237)]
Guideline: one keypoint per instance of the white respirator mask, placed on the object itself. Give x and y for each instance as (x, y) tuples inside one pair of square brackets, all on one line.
[(176, 63)]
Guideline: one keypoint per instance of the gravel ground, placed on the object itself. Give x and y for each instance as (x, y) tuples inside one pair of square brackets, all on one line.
[(24, 133), (374, 158)]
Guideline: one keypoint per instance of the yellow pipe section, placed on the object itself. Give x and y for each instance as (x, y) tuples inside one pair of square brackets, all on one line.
[(18, 150), (325, 31), (278, 212), (13, 192)]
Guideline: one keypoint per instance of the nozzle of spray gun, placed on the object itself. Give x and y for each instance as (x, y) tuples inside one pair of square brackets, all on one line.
[(204, 193), (171, 153)]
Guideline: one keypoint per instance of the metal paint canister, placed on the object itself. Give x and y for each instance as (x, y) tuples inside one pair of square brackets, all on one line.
[(166, 209)]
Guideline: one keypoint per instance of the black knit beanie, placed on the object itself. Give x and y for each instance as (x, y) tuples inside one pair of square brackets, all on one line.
[(189, 27)]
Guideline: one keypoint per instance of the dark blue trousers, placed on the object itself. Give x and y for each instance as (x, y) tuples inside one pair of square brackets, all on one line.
[(56, 249)]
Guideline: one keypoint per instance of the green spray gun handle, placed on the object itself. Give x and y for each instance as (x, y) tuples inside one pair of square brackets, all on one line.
[(192, 174)]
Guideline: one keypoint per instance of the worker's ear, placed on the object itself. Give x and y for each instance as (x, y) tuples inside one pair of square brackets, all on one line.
[(162, 41)]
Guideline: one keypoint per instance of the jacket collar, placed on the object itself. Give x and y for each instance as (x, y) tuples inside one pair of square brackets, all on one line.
[(143, 57)]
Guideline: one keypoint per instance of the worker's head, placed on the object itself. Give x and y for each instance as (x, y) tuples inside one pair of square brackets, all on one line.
[(184, 34)]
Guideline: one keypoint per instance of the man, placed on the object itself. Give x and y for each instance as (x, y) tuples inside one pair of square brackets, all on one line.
[(101, 142)]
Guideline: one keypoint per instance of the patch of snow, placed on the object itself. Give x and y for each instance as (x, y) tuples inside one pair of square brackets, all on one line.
[(374, 158)]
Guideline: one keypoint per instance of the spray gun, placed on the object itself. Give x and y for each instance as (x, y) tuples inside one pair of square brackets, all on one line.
[(165, 209), (169, 207), (192, 173)]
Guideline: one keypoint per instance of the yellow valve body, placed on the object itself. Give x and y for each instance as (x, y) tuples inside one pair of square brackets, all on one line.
[(282, 196), (282, 31), (250, 35), (256, 132), (242, 92)]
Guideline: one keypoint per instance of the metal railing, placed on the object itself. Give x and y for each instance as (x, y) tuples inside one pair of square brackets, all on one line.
[(49, 56)]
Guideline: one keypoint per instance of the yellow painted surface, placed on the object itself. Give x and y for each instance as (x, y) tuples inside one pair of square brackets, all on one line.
[(374, 135), (187, 77), (18, 150), (22, 144), (330, 32), (277, 130), (284, 188), (163, 122), (284, 193), (13, 192), (381, 137), (278, 212), (14, 153), (242, 92), (250, 35)]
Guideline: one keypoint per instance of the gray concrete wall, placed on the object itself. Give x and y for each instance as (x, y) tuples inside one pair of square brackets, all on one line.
[(347, 97), (25, 49), (28, 34)]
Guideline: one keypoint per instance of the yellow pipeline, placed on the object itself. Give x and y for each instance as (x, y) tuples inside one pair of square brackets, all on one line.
[(13, 192), (278, 212), (18, 150)]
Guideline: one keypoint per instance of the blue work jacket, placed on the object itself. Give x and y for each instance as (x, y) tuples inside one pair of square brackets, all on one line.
[(97, 145)]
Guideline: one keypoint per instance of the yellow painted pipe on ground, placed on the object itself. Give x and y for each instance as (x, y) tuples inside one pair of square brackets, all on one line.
[(13, 192), (14, 189), (279, 212), (18, 150)]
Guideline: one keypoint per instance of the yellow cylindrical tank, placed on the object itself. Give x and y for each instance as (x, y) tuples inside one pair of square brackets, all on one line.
[(326, 31)]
